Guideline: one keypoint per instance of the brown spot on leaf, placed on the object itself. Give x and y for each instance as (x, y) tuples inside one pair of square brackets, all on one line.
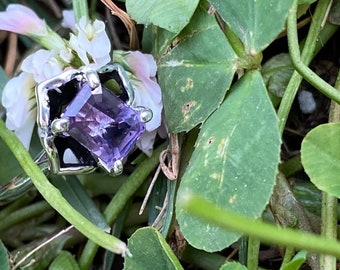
[(187, 106), (211, 140)]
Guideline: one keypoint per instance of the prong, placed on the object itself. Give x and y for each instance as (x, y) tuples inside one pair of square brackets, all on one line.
[(146, 114), (92, 77), (117, 168), (60, 125)]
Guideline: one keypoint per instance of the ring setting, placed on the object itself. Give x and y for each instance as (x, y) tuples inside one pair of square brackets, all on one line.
[(84, 125)]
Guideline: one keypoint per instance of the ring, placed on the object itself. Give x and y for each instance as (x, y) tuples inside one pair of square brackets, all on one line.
[(86, 120)]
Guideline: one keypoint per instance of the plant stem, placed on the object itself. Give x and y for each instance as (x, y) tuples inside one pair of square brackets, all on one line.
[(80, 9), (54, 197), (20, 202), (253, 253), (235, 42), (25, 213), (267, 233), (311, 47), (134, 181), (328, 228), (304, 70), (329, 202), (289, 254)]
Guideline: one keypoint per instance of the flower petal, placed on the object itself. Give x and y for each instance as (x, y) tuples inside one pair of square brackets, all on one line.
[(69, 20), (148, 94), (147, 91), (42, 64), (24, 133), (146, 141), (22, 20), (18, 100), (93, 40)]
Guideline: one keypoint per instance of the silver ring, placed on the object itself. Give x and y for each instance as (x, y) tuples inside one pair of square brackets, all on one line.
[(80, 118), (115, 123)]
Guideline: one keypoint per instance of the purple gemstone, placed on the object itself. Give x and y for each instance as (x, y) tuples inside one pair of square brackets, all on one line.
[(103, 124)]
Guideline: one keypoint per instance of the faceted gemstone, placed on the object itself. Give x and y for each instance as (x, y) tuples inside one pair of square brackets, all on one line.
[(103, 124)]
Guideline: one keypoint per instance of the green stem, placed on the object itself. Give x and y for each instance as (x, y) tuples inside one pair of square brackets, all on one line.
[(328, 228), (235, 42), (289, 254), (134, 181), (25, 213), (311, 47), (304, 70), (267, 233), (253, 253), (54, 197), (329, 202), (18, 203), (80, 9), (243, 250), (246, 60)]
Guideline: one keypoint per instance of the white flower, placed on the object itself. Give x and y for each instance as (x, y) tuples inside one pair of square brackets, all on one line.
[(42, 64), (146, 142), (22, 20), (91, 43), (147, 91), (69, 20), (18, 99)]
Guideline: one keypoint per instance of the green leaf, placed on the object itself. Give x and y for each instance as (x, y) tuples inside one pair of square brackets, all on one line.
[(256, 22), (74, 193), (12, 167), (150, 251), (202, 63), (157, 40), (320, 156), (334, 14), (296, 262), (4, 259), (276, 73), (233, 266), (64, 261), (172, 15), (234, 164), (306, 1)]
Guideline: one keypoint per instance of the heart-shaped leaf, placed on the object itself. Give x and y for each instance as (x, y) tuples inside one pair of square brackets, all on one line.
[(233, 266), (320, 156), (150, 251), (64, 261), (234, 164), (196, 73), (256, 22), (172, 15)]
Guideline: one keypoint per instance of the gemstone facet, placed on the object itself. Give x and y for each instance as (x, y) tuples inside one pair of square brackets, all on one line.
[(102, 123)]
